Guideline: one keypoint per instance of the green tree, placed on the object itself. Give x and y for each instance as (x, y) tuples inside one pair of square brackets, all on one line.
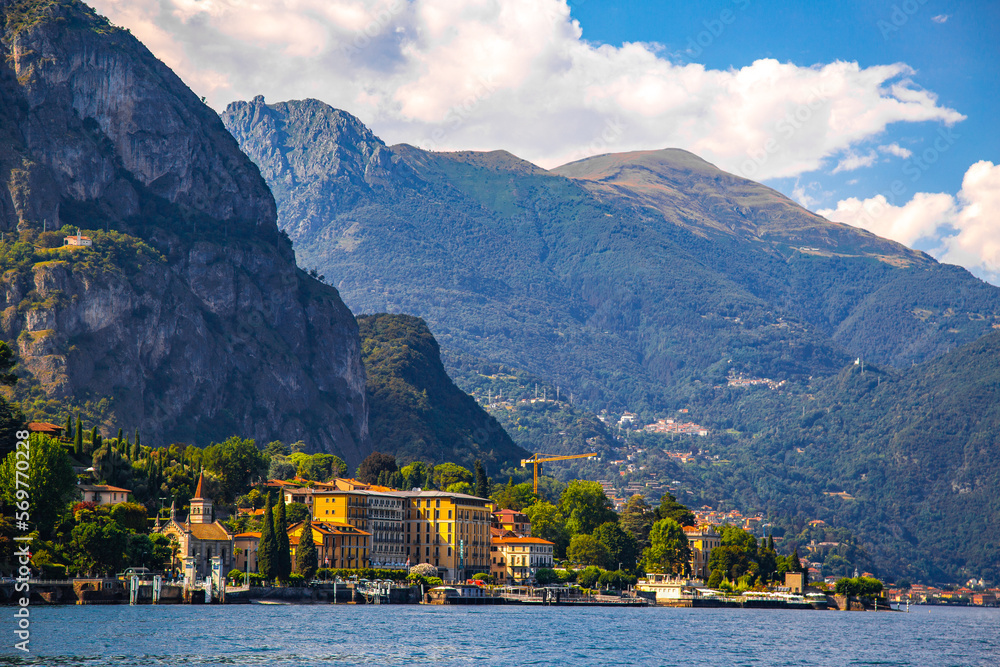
[(277, 447), (152, 551), (414, 474), (267, 550), (49, 477), (545, 576), (588, 576), (284, 549), (281, 467), (514, 496), (616, 579), (715, 579), (447, 474), (549, 524), (637, 518), (78, 437), (97, 544), (669, 551), (375, 463), (297, 512), (461, 487), (623, 550), (235, 462), (130, 516), (671, 509), (306, 558), (7, 361), (585, 507), (587, 550), (482, 482)]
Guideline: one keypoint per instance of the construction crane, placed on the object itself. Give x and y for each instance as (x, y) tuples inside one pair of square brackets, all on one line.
[(536, 459)]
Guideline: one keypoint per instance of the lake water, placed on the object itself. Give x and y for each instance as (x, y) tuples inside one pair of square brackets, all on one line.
[(280, 636)]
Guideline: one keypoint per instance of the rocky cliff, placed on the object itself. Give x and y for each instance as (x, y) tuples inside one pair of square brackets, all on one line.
[(187, 317)]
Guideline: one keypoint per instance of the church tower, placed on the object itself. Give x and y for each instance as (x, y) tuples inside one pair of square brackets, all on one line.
[(201, 508)]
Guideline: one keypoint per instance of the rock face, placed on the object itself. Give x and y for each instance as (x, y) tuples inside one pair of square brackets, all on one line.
[(207, 328)]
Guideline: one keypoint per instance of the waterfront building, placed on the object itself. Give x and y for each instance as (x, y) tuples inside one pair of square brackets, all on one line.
[(199, 538), (245, 546), (701, 540), (448, 530), (377, 513), (515, 560), (338, 544)]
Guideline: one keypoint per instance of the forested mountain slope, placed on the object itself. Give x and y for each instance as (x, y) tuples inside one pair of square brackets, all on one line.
[(632, 280), (416, 411)]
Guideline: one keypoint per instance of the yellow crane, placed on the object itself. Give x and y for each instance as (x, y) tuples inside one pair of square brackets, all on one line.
[(543, 458)]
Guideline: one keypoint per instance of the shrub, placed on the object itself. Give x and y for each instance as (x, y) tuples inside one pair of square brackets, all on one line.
[(235, 576), (545, 576)]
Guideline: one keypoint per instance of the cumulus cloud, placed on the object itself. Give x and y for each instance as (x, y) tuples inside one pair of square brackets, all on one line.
[(940, 18), (474, 74), (962, 230), (853, 161), (897, 150)]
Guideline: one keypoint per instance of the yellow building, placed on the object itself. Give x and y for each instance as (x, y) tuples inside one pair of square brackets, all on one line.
[(338, 544), (701, 540), (515, 560), (378, 513), (448, 530)]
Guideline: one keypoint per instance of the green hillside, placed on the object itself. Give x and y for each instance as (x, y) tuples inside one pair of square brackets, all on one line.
[(416, 412), (631, 280)]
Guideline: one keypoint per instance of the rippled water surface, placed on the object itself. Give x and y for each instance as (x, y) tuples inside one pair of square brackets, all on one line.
[(282, 636)]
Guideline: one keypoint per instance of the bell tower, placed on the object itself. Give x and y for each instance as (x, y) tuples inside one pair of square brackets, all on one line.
[(201, 508)]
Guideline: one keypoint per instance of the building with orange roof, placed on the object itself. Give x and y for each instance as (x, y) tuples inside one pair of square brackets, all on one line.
[(103, 494), (514, 521), (515, 560), (245, 546), (53, 430), (338, 545)]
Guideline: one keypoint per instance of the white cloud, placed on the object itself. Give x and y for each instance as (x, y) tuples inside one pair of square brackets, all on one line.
[(480, 74), (853, 161), (940, 18), (897, 150), (963, 230)]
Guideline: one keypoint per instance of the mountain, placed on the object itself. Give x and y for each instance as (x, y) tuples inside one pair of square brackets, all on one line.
[(416, 411), (908, 460), (187, 317), (633, 280)]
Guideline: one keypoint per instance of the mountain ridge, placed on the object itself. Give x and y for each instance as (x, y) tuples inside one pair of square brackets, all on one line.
[(186, 317)]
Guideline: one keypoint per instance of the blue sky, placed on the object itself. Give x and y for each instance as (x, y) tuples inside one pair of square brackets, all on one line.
[(955, 58), (876, 114)]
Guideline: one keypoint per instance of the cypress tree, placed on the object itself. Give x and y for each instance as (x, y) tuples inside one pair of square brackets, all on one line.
[(268, 548), (69, 428), (306, 558), (120, 436), (283, 557), (796, 564), (78, 437), (93, 441), (482, 482), (138, 445)]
